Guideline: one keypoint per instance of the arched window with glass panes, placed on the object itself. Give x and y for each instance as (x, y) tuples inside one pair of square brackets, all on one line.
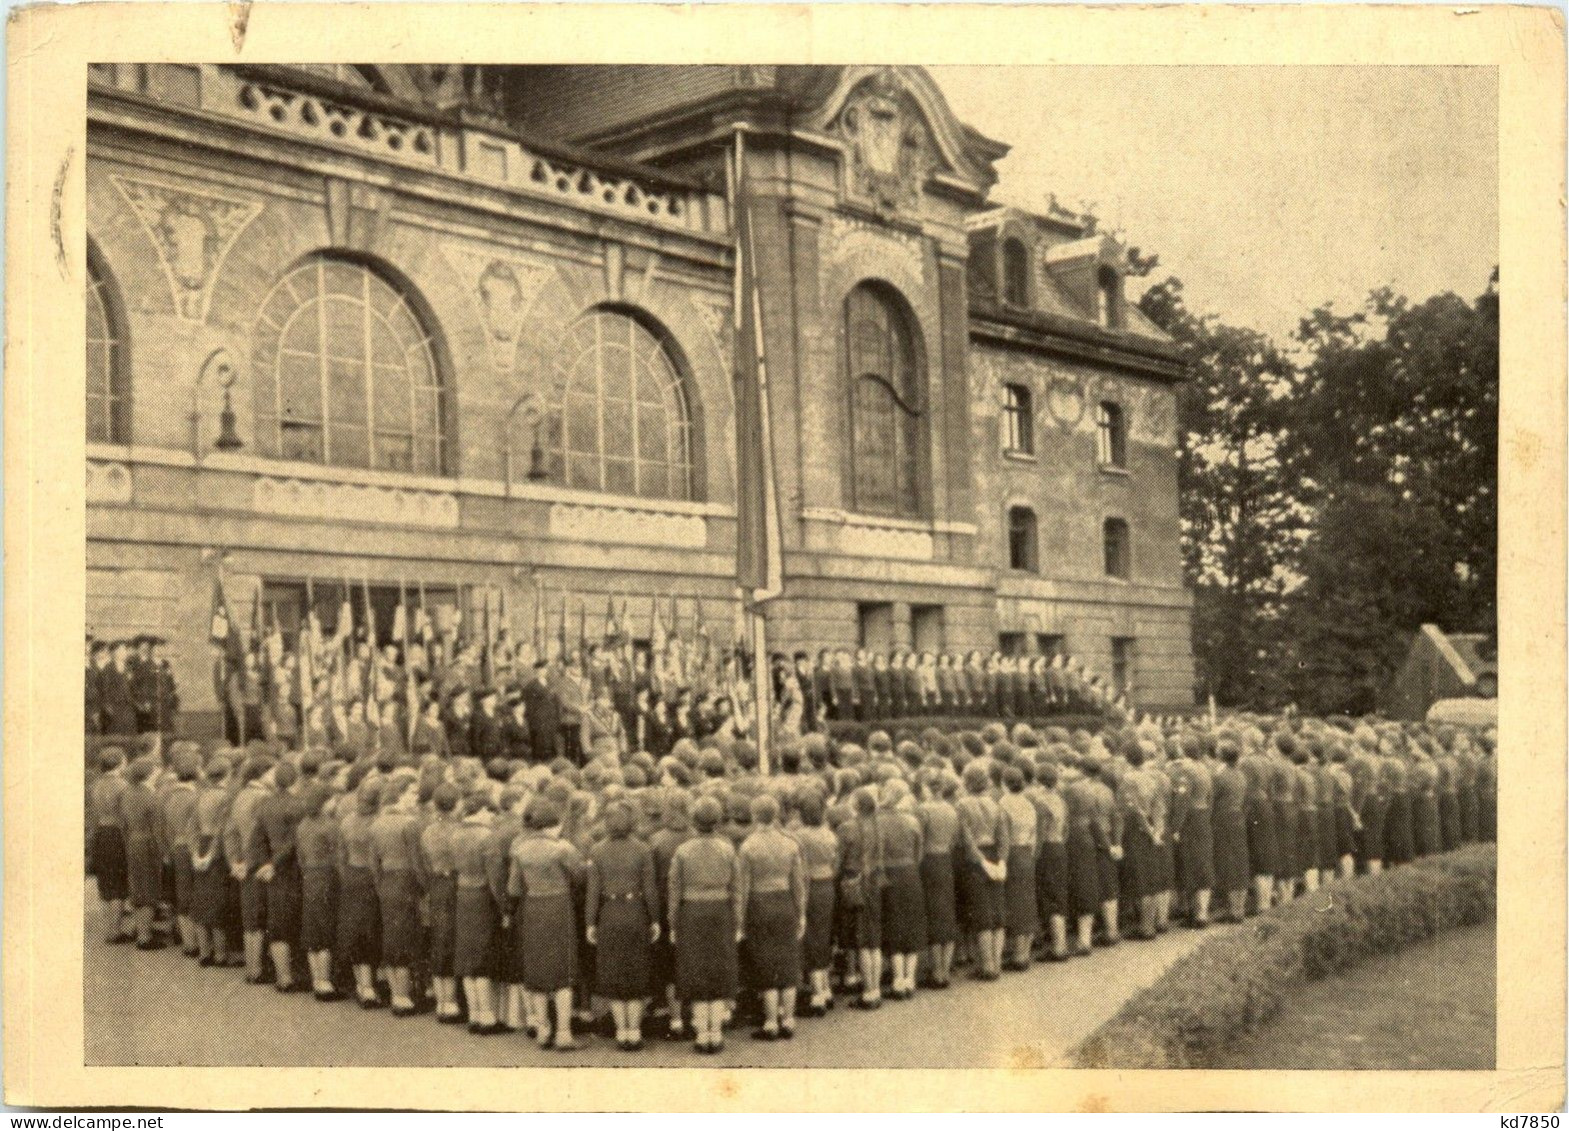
[(349, 372), (108, 374), (625, 424), (886, 381)]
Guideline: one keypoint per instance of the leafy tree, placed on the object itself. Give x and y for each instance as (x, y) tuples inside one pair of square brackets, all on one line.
[(1241, 516)]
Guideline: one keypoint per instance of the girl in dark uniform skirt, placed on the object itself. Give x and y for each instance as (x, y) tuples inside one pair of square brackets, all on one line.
[(1228, 820), (394, 854), (109, 863), (144, 859), (475, 922), (545, 867), (441, 895), (621, 908), (317, 839), (704, 889), (1083, 851), (213, 893), (1021, 914), (772, 879), (939, 829), (904, 935), (358, 939), (1051, 871), (983, 838), (820, 853)]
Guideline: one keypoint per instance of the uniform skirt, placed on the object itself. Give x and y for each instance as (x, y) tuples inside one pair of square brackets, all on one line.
[(1263, 853), (184, 879), (544, 940), (622, 959), (474, 931), (773, 953), (109, 862), (1449, 821), (1108, 879), (1083, 873), (1346, 837), (904, 911), (818, 946), (283, 905), (443, 894), (705, 951), (1307, 840), (318, 908), (397, 895), (1022, 916), (942, 920), (1370, 839), (861, 918), (144, 871), (1398, 839), (1231, 850), (1286, 863), (982, 894), (253, 903), (1328, 839), (1427, 836), (1471, 823), (1165, 866), (1051, 880), (1136, 870), (210, 895), (359, 918), (1196, 852)]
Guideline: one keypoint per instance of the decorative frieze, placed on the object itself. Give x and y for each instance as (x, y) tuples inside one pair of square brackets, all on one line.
[(884, 542), (312, 116), (625, 526), (192, 231), (352, 502)]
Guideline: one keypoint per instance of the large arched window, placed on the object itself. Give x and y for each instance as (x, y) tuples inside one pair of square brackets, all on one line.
[(886, 404), (624, 425), (348, 373), (108, 392)]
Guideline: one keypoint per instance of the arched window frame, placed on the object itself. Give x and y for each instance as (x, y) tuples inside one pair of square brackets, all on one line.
[(647, 340), (1018, 419), (432, 451), (906, 400), (1015, 272), (1023, 539), (108, 412), (1117, 548)]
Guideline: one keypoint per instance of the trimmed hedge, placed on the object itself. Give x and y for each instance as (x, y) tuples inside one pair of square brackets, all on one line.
[(1233, 983)]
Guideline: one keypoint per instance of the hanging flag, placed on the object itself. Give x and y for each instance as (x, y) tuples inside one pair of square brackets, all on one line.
[(538, 633), (759, 559), (656, 632), (423, 630), (306, 673), (612, 629), (582, 636), (369, 675), (561, 632), (224, 634), (410, 692)]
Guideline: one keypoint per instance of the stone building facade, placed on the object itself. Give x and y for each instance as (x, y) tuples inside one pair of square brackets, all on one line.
[(474, 327)]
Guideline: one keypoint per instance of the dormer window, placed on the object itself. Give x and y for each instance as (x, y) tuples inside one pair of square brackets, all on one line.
[(1015, 273), (1108, 298)]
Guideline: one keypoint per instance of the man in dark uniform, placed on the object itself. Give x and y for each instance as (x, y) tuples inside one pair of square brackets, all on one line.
[(144, 684), (516, 738), (841, 687), (114, 692), (97, 657), (166, 694), (570, 689), (458, 721), (543, 713), (811, 702), (485, 736), (882, 687)]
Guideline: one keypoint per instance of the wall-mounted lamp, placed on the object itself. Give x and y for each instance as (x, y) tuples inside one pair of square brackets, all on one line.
[(219, 364), (528, 403)]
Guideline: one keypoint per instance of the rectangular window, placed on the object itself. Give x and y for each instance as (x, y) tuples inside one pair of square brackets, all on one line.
[(1011, 643), (928, 628), (1111, 435), (1018, 421), (1119, 552), (1048, 644), (1122, 664)]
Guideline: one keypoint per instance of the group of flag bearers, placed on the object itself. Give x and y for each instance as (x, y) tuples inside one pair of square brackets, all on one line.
[(546, 897)]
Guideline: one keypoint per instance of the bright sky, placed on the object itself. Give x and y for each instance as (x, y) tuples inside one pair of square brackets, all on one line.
[(1266, 190)]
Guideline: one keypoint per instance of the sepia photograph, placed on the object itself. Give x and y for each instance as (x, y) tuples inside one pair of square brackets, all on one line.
[(893, 565)]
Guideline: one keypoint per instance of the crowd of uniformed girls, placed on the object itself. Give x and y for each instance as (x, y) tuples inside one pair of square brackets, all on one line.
[(526, 897)]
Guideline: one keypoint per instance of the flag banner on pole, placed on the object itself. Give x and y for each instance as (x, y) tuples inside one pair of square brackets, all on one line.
[(759, 560), (223, 633)]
